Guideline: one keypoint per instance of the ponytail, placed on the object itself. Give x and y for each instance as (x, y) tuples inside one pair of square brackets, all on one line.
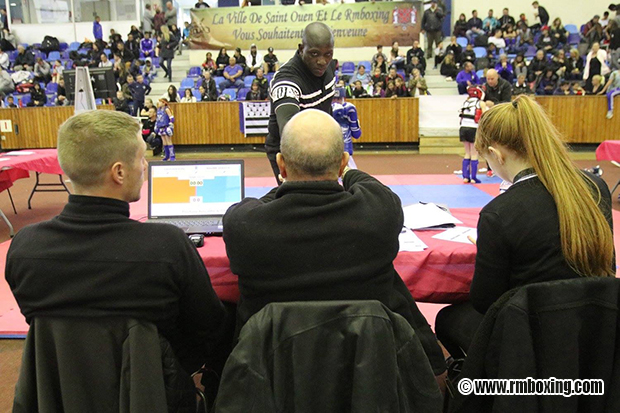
[(523, 127)]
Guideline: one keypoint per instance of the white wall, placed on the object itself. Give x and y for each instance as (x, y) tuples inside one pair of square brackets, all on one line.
[(34, 33), (575, 12)]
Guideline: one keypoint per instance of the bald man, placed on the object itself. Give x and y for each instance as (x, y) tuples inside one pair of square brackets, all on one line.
[(497, 89), (306, 81), (312, 239)]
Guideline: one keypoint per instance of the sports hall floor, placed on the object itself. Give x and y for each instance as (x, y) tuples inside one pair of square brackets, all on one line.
[(48, 205)]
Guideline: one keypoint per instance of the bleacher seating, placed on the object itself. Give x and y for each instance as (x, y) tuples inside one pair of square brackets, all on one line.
[(51, 88), (187, 83), (194, 71), (53, 56), (74, 46), (218, 80), (367, 65), (248, 81), (462, 41), (480, 52), (63, 46), (348, 68), (197, 95), (23, 102), (241, 94), (531, 52), (230, 92), (155, 61), (571, 28), (574, 38)]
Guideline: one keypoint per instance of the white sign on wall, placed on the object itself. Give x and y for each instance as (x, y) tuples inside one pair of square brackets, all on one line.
[(6, 126)]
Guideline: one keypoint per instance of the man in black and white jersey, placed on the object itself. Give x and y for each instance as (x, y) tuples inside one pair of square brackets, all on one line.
[(306, 81)]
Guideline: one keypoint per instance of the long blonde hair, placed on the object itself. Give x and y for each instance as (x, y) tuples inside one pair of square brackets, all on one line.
[(523, 127), (165, 33)]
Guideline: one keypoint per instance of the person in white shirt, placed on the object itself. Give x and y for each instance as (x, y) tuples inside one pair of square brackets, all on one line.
[(105, 62), (188, 96), (498, 40), (254, 60), (4, 60)]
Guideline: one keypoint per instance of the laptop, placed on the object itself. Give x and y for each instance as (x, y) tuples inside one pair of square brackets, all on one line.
[(194, 195)]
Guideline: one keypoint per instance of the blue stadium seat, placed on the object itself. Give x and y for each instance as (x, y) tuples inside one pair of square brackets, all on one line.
[(574, 38), (248, 80), (51, 87), (194, 71), (462, 41), (187, 83), (230, 92), (13, 55), (218, 80), (480, 52), (531, 51), (196, 93), (348, 68), (98, 101), (198, 82), (25, 100), (571, 28), (69, 64), (480, 73), (402, 73), (24, 45), (74, 46), (63, 46), (107, 52), (155, 62), (53, 56), (51, 99), (38, 53), (36, 45), (242, 93), (367, 65)]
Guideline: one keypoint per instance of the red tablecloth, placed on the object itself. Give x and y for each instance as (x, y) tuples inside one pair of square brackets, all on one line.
[(440, 274), (608, 151), (13, 168)]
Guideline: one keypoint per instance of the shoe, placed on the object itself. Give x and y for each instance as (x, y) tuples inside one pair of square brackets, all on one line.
[(448, 79), (610, 114), (490, 173)]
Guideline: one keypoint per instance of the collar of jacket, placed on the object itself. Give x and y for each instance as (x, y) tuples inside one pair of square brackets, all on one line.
[(309, 187), (95, 208)]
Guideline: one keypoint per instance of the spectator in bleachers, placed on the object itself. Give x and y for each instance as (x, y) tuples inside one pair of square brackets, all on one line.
[(417, 84), (491, 56), (564, 89), (347, 88), (6, 83), (209, 64), (135, 33), (147, 19), (377, 77), (188, 96), (210, 88), (594, 35), (178, 37), (498, 39), (42, 71), (10, 102), (271, 64), (605, 20), (148, 105), (578, 89), (254, 60), (431, 26), (233, 74), (416, 64), (94, 56), (186, 34), (589, 26), (490, 23), (596, 86), (360, 75), (24, 59), (170, 14), (377, 91), (613, 34), (114, 39), (576, 65), (125, 88), (159, 20), (541, 13), (560, 64), (460, 26), (547, 83), (468, 55), (256, 93), (37, 95), (201, 5), (132, 46), (171, 95), (524, 37), (57, 71), (399, 84), (521, 87), (595, 64), (61, 94), (358, 90), (612, 89), (448, 67), (474, 27), (221, 62), (396, 58), (467, 77), (376, 55), (263, 82), (504, 68), (390, 90), (416, 50), (4, 18), (4, 60), (139, 89), (380, 64), (546, 42), (519, 66), (147, 46), (104, 61), (9, 41), (123, 53), (559, 33), (537, 66), (497, 90), (393, 74), (120, 70), (510, 37), (241, 61), (506, 20), (455, 49), (167, 45), (440, 54), (97, 29)]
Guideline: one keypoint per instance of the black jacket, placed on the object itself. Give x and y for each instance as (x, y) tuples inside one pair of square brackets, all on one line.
[(317, 241), (563, 329), (210, 90), (328, 357), (118, 267), (519, 240), (431, 20), (500, 93), (26, 58)]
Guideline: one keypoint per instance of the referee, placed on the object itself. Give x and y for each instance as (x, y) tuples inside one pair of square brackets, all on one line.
[(306, 81)]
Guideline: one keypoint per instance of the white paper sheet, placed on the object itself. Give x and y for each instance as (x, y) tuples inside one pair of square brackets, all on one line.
[(458, 234), (418, 216), (408, 241), (18, 153)]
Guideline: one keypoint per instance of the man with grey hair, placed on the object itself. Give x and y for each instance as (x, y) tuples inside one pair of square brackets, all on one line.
[(93, 261), (170, 14), (306, 81), (312, 239), (497, 89)]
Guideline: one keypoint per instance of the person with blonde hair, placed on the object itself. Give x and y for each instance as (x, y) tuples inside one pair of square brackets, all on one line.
[(553, 223), (167, 45)]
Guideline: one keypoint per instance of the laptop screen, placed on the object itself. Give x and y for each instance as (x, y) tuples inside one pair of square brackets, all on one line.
[(199, 188)]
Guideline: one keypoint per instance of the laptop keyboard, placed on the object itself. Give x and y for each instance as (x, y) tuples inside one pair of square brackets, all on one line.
[(205, 222)]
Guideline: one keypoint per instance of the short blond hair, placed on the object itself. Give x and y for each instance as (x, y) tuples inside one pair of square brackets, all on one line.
[(91, 142)]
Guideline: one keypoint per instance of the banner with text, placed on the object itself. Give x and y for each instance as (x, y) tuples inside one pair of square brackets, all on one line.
[(281, 27)]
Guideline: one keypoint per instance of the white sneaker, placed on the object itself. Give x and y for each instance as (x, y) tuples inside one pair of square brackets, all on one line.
[(610, 114), (448, 79)]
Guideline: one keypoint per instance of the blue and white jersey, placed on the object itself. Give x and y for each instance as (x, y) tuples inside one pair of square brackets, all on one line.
[(163, 124), (346, 116)]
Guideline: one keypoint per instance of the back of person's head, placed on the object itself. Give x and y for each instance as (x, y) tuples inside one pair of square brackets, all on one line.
[(525, 129), (91, 142), (312, 145)]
